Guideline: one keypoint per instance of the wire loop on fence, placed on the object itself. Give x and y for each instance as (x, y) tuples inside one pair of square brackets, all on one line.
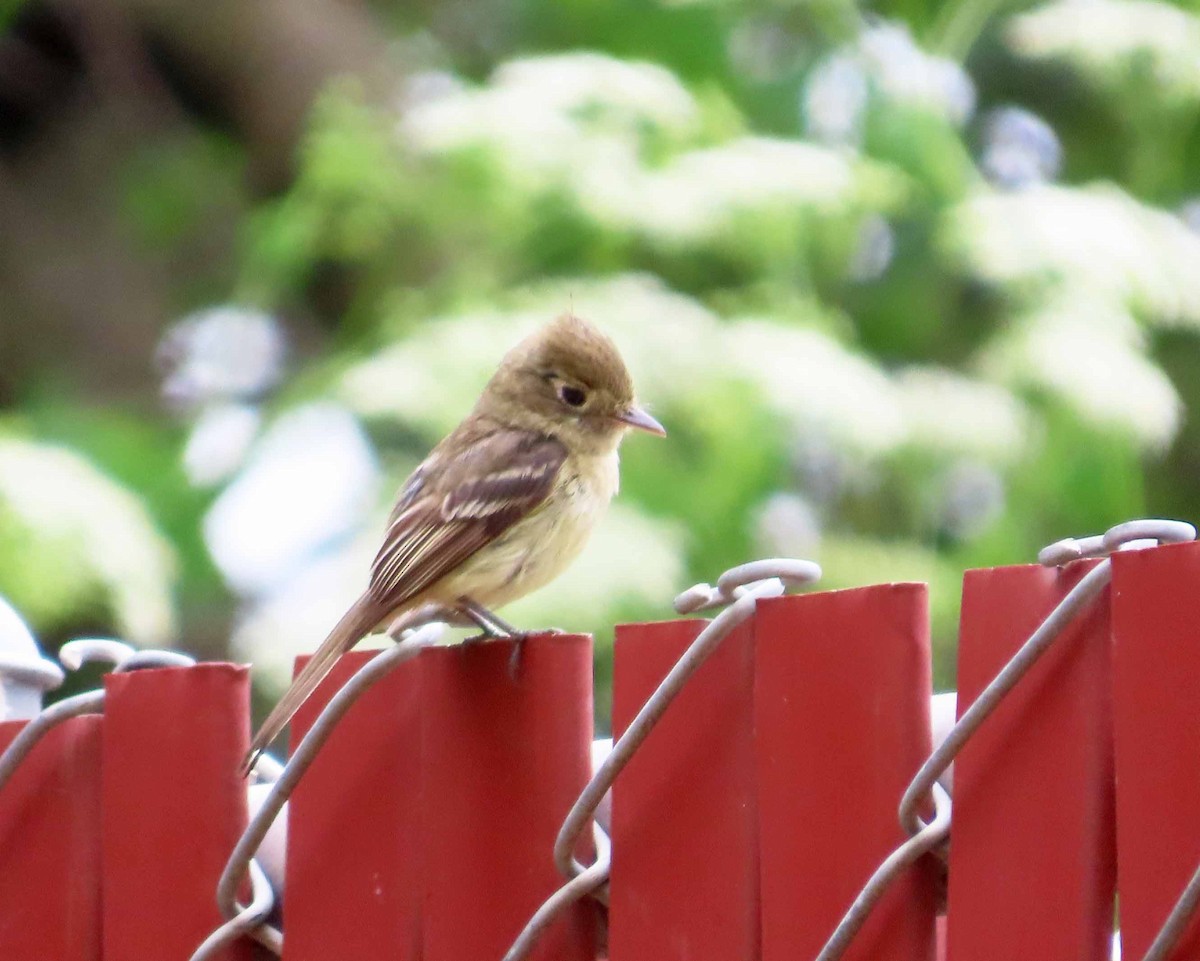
[(588, 882), (737, 580), (77, 653), (21, 660), (643, 723), (249, 918), (120, 656), (88, 650), (1124, 536), (1080, 596), (1145, 532), (241, 859), (69, 707), (743, 586), (1131, 533), (123, 659), (926, 840)]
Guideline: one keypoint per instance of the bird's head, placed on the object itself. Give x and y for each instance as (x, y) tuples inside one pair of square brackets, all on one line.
[(569, 380)]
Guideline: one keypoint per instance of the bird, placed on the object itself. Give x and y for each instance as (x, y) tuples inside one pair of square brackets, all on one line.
[(501, 506)]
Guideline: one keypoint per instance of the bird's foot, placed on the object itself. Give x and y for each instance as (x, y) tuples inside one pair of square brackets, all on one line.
[(493, 628), (519, 638), (483, 637), (518, 642)]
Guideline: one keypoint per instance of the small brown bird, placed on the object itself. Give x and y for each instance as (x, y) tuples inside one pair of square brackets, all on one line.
[(502, 505)]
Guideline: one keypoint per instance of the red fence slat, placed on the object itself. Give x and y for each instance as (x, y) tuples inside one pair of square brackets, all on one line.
[(353, 867), (503, 760), (174, 805), (1032, 856), (1156, 683), (50, 846), (685, 856), (842, 714)]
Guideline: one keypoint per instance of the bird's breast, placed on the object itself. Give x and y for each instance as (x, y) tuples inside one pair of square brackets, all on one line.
[(539, 547)]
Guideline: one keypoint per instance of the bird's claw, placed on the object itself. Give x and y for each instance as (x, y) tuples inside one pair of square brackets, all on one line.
[(517, 638), (489, 634), (514, 659)]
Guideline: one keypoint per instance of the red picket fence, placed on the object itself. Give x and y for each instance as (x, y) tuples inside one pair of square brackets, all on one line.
[(742, 829)]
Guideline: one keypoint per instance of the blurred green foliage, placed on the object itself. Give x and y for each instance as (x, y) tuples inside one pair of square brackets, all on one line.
[(913, 288)]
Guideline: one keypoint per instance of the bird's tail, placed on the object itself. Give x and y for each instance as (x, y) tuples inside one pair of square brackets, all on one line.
[(362, 617)]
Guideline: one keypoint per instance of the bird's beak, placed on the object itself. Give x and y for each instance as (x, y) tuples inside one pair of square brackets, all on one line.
[(636, 417)]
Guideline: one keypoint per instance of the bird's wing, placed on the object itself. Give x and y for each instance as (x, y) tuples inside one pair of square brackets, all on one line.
[(450, 507), (412, 487), (463, 502)]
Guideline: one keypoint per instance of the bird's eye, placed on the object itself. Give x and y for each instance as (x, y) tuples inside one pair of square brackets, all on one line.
[(571, 396)]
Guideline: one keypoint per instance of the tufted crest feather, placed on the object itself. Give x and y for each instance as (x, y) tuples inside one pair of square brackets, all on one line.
[(577, 350)]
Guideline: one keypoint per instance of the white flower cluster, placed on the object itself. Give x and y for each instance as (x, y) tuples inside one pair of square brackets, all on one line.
[(96, 534), (310, 480), (822, 386), (680, 349), (218, 364), (545, 116), (817, 384), (698, 193), (1094, 238), (1106, 39), (945, 411), (1090, 352), (1019, 148), (222, 354), (884, 57), (584, 123), (908, 74), (1091, 264), (1082, 347)]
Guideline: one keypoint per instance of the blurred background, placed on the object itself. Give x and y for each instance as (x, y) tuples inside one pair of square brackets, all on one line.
[(914, 286)]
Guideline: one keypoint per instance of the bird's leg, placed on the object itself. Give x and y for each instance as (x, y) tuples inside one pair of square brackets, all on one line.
[(494, 627)]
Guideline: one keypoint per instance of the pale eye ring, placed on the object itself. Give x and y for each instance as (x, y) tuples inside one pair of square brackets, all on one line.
[(572, 396)]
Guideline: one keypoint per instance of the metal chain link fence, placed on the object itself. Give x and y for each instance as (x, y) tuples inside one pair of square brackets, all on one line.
[(734, 598)]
